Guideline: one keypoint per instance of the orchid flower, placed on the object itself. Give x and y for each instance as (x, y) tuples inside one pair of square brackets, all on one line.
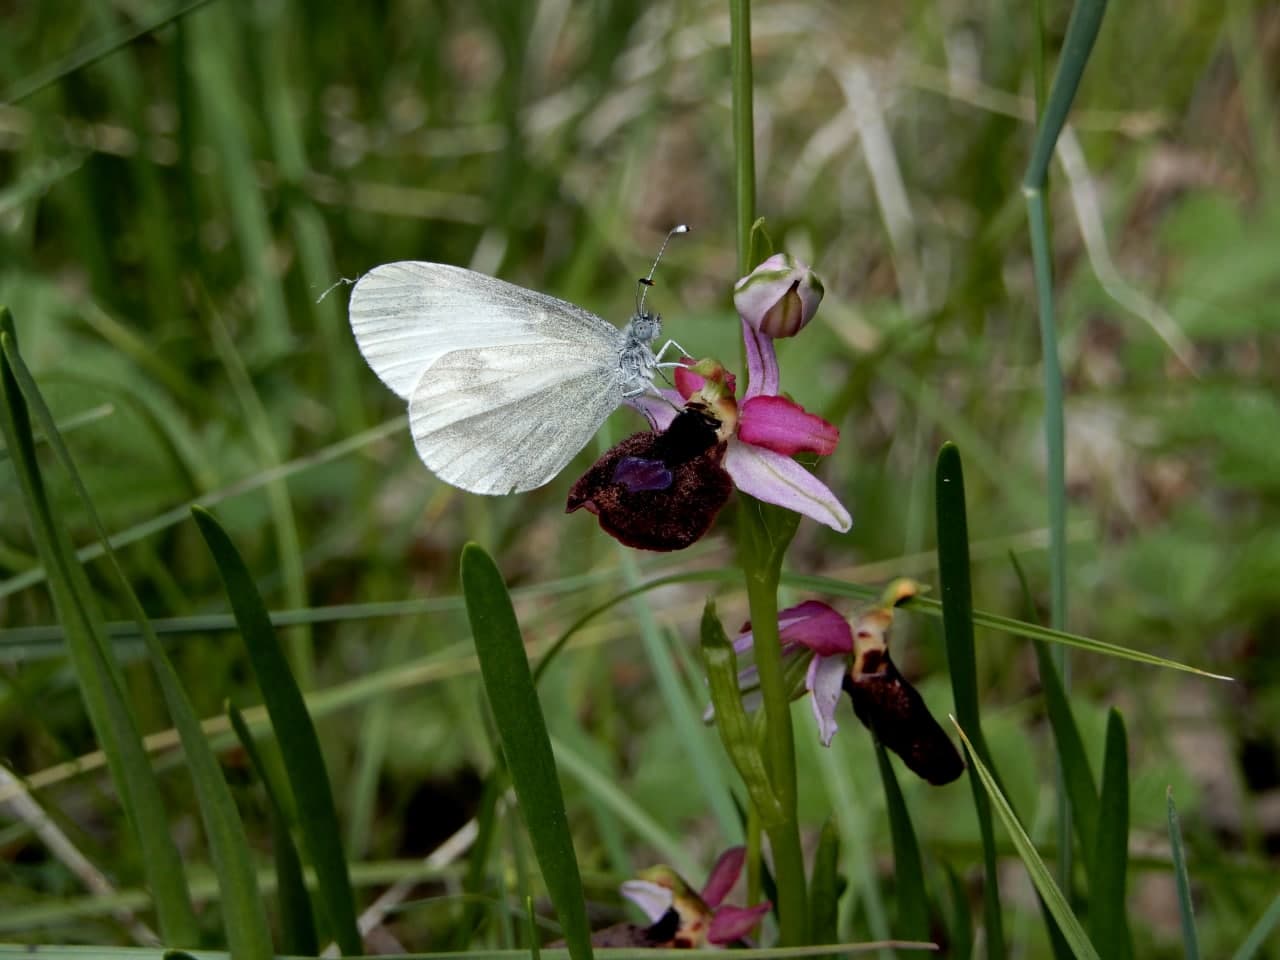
[(777, 298), (856, 659), (704, 918)]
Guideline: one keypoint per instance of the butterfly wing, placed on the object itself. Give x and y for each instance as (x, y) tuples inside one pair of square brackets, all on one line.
[(500, 421), (407, 315)]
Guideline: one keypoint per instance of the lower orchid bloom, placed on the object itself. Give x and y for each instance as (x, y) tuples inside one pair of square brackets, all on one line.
[(703, 917), (856, 660)]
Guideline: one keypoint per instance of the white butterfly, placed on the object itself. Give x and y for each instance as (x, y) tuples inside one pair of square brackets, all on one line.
[(504, 385)]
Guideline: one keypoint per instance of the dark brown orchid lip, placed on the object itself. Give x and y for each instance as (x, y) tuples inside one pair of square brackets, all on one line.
[(659, 491), (893, 710)]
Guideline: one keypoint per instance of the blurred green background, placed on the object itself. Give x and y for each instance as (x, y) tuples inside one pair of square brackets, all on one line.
[(172, 212)]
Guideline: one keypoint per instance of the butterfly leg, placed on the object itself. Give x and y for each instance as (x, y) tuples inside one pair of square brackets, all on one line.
[(667, 346)]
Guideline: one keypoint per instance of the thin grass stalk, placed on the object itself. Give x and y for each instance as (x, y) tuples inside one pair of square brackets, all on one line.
[(1082, 31)]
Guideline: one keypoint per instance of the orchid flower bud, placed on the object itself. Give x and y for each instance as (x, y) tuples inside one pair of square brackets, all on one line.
[(779, 297)]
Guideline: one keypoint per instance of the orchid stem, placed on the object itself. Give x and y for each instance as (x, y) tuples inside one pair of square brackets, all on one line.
[(779, 747), (761, 558)]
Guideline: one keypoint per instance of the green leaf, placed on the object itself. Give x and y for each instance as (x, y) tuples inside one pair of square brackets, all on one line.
[(1082, 31), (1039, 873), (475, 881), (97, 673), (522, 732), (908, 872), (298, 933), (737, 733), (825, 886), (243, 918), (1257, 938), (1190, 940), (299, 746), (957, 624), (960, 930), (1108, 921)]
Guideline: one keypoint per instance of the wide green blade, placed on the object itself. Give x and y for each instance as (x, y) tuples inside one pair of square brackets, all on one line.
[(1108, 917), (957, 623), (97, 672), (299, 745), (526, 746)]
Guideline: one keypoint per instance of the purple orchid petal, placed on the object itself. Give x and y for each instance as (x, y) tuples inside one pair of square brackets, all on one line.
[(638, 473), (825, 680), (782, 426), (762, 363), (658, 410), (733, 923), (724, 875), (654, 899), (818, 627), (774, 478)]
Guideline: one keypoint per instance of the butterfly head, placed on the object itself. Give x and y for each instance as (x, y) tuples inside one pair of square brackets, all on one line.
[(644, 327)]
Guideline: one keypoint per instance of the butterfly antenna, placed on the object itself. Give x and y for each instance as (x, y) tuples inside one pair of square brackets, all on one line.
[(647, 282)]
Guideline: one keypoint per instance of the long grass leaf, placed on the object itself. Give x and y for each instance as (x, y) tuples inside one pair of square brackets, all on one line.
[(957, 623), (1108, 916), (299, 745), (1257, 938), (97, 673), (1082, 31), (522, 731), (908, 871), (1039, 873), (243, 917), (825, 885), (102, 46), (297, 923), (1186, 911)]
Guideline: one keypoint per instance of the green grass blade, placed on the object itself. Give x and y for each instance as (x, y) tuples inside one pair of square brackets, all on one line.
[(1076, 773), (1257, 938), (825, 886), (1190, 939), (957, 623), (97, 673), (474, 883), (297, 923), (960, 929), (1039, 873), (908, 871), (522, 731), (299, 746), (1014, 627), (1108, 917), (1082, 31), (92, 52), (243, 916)]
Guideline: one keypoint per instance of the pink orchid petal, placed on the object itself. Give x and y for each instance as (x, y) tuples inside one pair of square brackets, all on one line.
[(818, 627), (773, 478), (658, 410), (762, 363), (687, 382), (724, 875), (654, 899), (782, 426), (825, 681), (733, 923)]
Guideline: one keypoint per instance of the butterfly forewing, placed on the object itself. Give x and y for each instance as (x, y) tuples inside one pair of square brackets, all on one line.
[(408, 314)]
